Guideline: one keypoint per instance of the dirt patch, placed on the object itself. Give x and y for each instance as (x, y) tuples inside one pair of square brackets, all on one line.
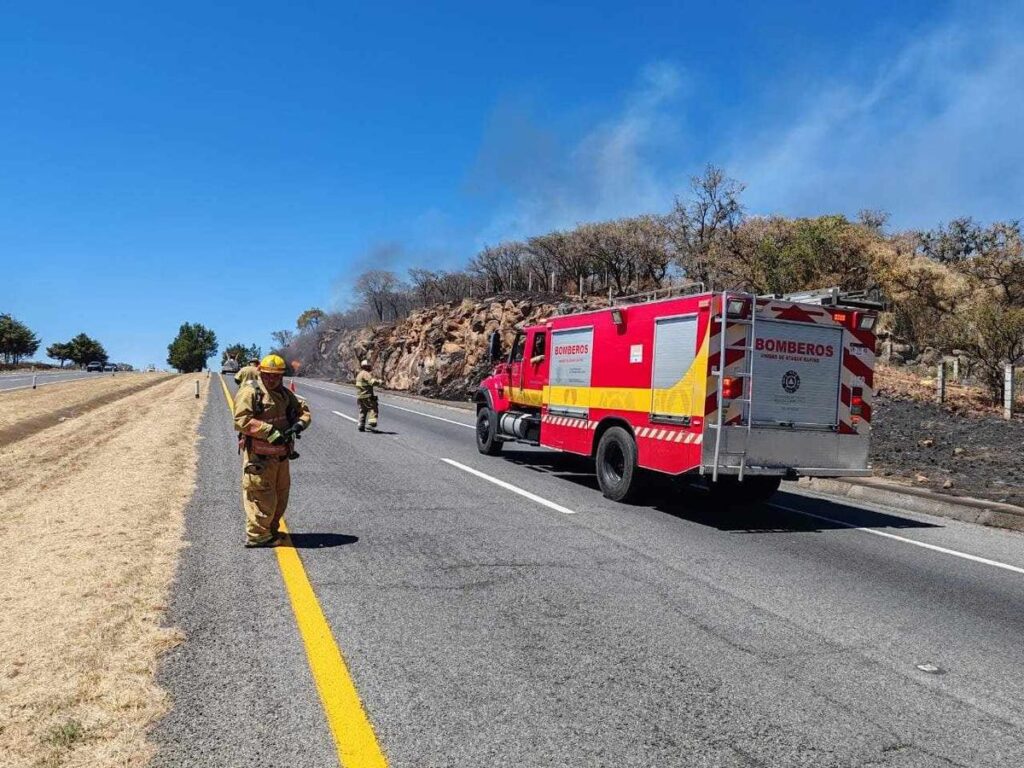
[(28, 411), (92, 513)]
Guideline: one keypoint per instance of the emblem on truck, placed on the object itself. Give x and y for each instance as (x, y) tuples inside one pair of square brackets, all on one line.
[(790, 381)]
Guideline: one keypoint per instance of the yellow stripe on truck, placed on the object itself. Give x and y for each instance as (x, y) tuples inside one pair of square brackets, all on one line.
[(534, 397), (611, 398), (353, 734), (684, 398)]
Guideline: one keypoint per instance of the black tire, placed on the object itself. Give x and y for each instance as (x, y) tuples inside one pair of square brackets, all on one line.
[(487, 441), (617, 472), (753, 490)]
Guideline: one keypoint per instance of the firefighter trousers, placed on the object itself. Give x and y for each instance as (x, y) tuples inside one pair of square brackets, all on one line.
[(266, 481), (367, 412)]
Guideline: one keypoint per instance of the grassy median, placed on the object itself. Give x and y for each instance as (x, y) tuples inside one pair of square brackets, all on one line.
[(91, 513)]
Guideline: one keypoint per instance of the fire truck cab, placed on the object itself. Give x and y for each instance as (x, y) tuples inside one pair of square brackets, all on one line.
[(737, 390)]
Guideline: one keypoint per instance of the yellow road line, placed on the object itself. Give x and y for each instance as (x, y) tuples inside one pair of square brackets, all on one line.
[(353, 734)]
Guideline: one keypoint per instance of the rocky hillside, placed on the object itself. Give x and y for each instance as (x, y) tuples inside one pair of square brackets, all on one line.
[(962, 447), (440, 351)]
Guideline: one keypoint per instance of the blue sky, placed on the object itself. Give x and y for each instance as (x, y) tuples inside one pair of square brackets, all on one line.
[(235, 163)]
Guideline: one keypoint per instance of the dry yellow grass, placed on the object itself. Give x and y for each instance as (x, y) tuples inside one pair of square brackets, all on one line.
[(91, 513), (27, 410), (912, 384)]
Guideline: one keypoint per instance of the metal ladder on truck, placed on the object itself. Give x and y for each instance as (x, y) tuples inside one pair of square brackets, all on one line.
[(747, 375)]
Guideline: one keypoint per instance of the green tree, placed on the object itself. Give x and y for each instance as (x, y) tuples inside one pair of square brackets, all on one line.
[(310, 319), (241, 353), (60, 351), (83, 350), (16, 340), (992, 334), (191, 347)]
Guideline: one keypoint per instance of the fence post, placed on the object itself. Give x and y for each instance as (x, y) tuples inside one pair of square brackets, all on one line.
[(940, 381), (956, 369), (1008, 392), (581, 286), (529, 282)]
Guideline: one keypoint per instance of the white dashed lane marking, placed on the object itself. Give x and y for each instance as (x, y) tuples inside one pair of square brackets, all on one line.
[(509, 487), (923, 545)]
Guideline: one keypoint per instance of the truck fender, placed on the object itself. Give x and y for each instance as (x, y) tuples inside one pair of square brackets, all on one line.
[(604, 426), (483, 397), (491, 395)]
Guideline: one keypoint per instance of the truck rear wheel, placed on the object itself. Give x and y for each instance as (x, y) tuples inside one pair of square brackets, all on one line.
[(616, 465), (487, 441)]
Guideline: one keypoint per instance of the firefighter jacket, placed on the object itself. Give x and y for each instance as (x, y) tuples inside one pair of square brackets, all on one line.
[(365, 384), (248, 373), (258, 412)]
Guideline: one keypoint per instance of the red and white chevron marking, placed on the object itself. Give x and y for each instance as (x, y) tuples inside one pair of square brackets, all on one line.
[(569, 421), (669, 435), (647, 433), (735, 363)]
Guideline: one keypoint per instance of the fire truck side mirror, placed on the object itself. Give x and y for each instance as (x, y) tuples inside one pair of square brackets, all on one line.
[(494, 346)]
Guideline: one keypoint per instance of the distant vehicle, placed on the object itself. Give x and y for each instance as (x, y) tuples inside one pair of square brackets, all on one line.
[(109, 367), (151, 369), (230, 365), (94, 367)]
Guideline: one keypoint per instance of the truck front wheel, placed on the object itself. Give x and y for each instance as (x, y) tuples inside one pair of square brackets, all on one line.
[(487, 441), (616, 464)]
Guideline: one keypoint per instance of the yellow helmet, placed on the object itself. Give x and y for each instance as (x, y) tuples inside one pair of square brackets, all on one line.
[(272, 364)]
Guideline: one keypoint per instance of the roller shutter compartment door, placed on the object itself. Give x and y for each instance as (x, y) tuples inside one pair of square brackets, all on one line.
[(675, 348), (796, 374)]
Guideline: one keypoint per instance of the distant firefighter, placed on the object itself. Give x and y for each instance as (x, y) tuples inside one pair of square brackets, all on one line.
[(268, 418), (249, 372), (365, 397)]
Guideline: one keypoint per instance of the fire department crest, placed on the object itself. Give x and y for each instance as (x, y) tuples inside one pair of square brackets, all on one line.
[(790, 381)]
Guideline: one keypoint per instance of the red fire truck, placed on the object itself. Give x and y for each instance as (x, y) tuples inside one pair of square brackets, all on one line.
[(737, 390)]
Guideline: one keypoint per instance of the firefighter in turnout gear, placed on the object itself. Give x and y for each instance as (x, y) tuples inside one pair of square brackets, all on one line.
[(268, 418), (249, 372), (366, 398)]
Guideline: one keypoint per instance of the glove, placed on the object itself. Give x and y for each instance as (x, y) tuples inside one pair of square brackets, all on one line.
[(294, 430), (276, 437)]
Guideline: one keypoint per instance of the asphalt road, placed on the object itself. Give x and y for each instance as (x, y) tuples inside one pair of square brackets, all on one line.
[(21, 380), (485, 628)]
